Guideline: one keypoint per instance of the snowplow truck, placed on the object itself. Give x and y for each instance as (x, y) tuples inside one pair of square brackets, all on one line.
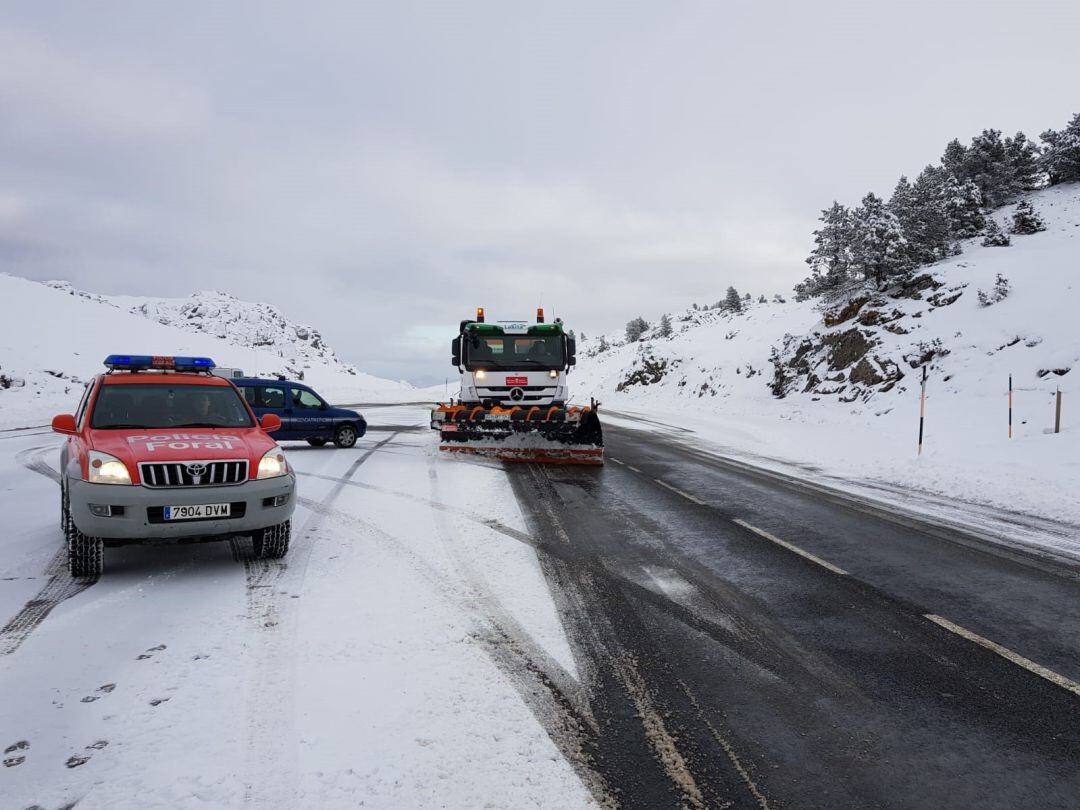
[(514, 400)]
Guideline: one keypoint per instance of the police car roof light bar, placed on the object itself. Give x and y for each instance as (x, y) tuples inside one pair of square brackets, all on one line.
[(142, 362)]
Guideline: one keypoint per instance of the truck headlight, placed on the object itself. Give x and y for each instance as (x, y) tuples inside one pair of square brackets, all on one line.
[(105, 469), (553, 374), (273, 464), (480, 374)]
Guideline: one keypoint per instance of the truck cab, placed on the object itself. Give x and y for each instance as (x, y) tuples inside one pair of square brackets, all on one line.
[(513, 363)]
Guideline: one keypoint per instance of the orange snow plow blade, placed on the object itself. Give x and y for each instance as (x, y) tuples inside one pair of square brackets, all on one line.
[(546, 434), (554, 455)]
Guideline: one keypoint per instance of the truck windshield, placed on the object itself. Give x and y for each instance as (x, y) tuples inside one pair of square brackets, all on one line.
[(514, 352), (168, 406)]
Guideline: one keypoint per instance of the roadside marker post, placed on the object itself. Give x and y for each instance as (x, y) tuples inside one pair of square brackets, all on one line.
[(1010, 406), (1057, 412), (922, 409)]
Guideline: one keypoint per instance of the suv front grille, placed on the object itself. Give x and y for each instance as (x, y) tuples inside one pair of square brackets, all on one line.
[(164, 474)]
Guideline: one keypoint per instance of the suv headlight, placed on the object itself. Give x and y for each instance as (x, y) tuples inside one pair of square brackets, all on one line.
[(105, 469), (273, 464)]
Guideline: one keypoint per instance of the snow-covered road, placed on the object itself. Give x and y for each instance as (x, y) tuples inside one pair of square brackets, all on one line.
[(378, 663)]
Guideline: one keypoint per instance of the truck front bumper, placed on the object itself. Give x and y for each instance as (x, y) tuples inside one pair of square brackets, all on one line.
[(137, 512)]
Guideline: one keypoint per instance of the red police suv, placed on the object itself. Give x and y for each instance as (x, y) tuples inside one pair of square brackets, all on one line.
[(160, 448)]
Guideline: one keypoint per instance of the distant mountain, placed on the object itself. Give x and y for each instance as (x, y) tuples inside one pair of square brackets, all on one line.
[(54, 337)]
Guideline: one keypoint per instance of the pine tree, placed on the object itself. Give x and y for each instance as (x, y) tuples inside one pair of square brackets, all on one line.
[(995, 237), (830, 260), (748, 297), (1023, 156), (732, 302), (665, 326), (1061, 156), (963, 207), (635, 329), (1026, 220), (930, 232), (762, 299), (779, 299), (987, 165), (954, 159), (603, 345), (880, 250)]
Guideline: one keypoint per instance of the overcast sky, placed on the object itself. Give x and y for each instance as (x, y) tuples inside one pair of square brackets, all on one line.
[(380, 169)]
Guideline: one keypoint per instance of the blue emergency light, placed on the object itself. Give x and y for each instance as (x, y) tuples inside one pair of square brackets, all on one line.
[(142, 362)]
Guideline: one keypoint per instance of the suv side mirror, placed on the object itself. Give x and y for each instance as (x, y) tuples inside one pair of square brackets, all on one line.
[(571, 351), (270, 422), (455, 351), (65, 423)]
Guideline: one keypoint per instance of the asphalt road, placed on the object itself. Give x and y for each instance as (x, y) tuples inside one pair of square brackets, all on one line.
[(747, 644)]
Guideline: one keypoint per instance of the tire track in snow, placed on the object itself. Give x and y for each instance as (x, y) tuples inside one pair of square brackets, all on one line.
[(270, 776), (59, 586), (539, 680)]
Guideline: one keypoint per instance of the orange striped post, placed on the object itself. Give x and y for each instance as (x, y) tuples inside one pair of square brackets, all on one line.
[(922, 409), (1010, 406)]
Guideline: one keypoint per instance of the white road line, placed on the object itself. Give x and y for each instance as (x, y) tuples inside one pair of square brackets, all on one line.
[(632, 467), (1007, 654), (686, 495), (774, 539), (616, 461)]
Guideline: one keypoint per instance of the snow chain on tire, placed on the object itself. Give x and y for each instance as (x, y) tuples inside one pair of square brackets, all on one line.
[(272, 543)]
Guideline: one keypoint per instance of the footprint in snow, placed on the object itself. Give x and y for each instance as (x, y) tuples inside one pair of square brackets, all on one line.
[(158, 701), (103, 689), (74, 761), (97, 746), (158, 648)]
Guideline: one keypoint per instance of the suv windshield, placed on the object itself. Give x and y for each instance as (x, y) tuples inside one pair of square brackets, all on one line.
[(514, 352), (169, 406)]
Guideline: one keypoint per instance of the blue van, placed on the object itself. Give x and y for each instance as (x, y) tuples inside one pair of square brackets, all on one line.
[(305, 416)]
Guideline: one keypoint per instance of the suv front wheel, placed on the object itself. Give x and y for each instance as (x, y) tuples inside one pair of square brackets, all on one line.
[(345, 436), (272, 543)]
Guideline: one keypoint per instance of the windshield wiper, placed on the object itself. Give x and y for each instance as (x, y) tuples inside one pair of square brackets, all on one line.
[(203, 424), (120, 426)]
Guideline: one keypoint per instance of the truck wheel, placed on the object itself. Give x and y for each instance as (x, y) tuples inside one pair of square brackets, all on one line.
[(86, 555), (66, 524), (345, 436), (316, 442), (272, 543)]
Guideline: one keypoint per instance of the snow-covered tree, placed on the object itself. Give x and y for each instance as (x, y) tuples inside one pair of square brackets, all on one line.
[(963, 207), (879, 249), (1026, 220), (830, 260), (603, 346), (636, 328), (762, 299), (1061, 156), (779, 299), (732, 301), (665, 326), (954, 158), (987, 165), (1023, 157), (995, 237)]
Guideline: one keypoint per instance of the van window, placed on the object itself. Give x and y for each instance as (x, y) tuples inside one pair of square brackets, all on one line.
[(249, 394), (306, 399), (273, 397)]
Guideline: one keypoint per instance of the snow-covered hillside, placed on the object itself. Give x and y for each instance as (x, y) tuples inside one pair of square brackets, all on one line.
[(53, 338), (849, 374)]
